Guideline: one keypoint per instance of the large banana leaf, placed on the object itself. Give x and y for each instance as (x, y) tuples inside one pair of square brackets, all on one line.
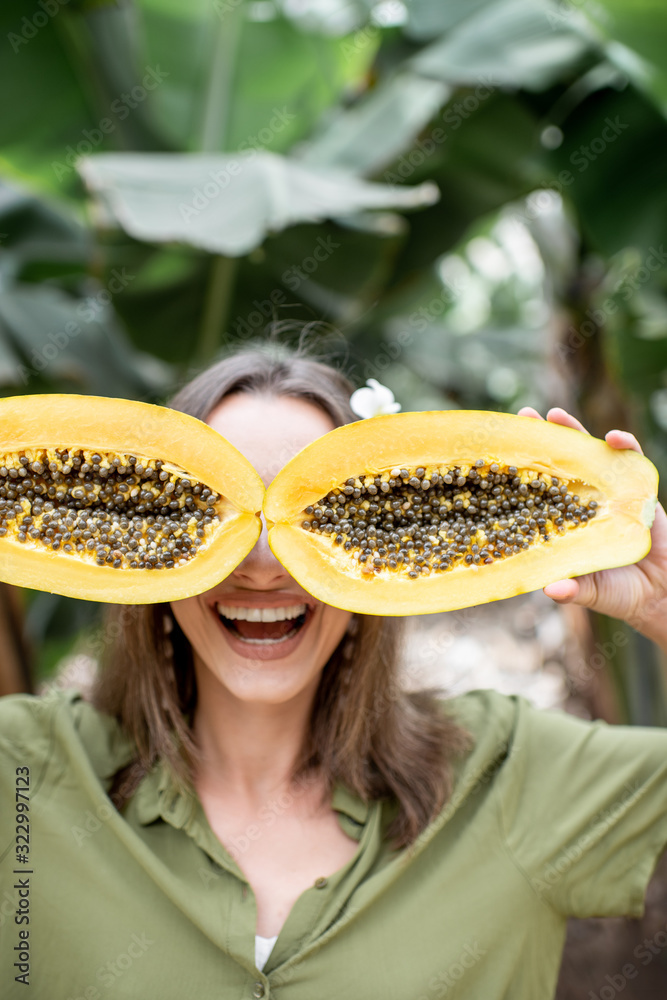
[(229, 204), (635, 32), (612, 164), (158, 75), (378, 128), (510, 43), (428, 18)]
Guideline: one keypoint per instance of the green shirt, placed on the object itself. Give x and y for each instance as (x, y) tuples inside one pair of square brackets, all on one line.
[(550, 817)]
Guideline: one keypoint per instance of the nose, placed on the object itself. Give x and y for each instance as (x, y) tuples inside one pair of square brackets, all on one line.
[(260, 568)]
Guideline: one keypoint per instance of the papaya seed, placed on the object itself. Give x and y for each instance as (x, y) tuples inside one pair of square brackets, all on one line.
[(125, 511), (457, 508)]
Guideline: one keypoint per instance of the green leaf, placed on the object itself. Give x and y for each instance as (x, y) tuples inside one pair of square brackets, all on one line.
[(40, 86), (427, 18), (333, 18), (229, 204), (379, 127), (483, 163), (509, 44), (612, 165), (162, 308), (636, 34), (228, 76), (39, 237), (73, 343)]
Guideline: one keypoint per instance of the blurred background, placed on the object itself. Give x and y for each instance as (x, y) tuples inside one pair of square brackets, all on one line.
[(464, 200)]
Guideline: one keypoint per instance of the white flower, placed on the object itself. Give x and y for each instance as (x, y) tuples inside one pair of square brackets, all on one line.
[(374, 400)]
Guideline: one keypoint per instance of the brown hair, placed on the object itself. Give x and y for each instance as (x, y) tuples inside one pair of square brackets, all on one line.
[(365, 730)]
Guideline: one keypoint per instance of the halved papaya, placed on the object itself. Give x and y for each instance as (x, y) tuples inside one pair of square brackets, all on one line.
[(403, 514), (120, 501), (413, 513)]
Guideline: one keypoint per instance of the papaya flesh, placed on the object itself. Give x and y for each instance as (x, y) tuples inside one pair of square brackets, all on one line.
[(124, 502), (412, 513), (119, 501)]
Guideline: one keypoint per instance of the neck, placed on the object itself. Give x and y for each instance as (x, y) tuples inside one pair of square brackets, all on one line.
[(249, 748)]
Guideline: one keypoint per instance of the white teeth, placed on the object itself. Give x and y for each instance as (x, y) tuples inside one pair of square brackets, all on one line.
[(270, 642), (261, 614)]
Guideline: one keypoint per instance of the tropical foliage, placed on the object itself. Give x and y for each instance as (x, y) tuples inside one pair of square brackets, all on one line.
[(470, 193)]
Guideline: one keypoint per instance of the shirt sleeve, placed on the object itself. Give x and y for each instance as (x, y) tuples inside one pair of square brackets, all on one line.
[(584, 810)]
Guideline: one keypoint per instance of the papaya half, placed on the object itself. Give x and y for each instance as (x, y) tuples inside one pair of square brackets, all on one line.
[(125, 502), (412, 513), (120, 501)]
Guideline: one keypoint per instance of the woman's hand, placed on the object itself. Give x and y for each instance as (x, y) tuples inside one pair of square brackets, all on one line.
[(636, 593)]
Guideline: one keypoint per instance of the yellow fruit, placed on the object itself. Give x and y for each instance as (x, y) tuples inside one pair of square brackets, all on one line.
[(455, 508), (119, 501)]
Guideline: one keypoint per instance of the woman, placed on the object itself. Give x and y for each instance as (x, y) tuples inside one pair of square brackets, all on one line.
[(268, 777)]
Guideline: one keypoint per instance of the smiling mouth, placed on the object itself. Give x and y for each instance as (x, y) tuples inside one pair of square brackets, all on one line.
[(263, 626)]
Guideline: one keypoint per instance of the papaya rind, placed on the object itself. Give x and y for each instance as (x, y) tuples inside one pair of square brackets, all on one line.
[(148, 431), (623, 482)]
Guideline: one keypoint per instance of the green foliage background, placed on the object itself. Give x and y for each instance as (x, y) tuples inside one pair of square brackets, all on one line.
[(471, 194)]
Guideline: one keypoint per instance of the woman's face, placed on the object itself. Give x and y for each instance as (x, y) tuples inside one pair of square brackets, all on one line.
[(258, 636)]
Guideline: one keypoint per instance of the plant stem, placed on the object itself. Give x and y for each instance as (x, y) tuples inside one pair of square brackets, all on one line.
[(218, 99), (216, 307), (214, 136)]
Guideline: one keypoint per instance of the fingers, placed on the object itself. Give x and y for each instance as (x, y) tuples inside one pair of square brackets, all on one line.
[(581, 590), (563, 591), (557, 415), (623, 439)]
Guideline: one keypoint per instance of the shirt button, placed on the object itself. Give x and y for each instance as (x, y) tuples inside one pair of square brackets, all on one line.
[(321, 883), (258, 990)]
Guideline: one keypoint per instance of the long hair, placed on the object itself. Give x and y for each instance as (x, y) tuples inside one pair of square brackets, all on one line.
[(365, 730)]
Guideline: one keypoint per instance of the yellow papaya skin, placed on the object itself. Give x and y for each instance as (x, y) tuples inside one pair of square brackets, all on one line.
[(623, 485), (188, 450)]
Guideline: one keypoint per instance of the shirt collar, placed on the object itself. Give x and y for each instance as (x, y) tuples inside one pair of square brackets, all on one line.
[(345, 801), (159, 797)]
